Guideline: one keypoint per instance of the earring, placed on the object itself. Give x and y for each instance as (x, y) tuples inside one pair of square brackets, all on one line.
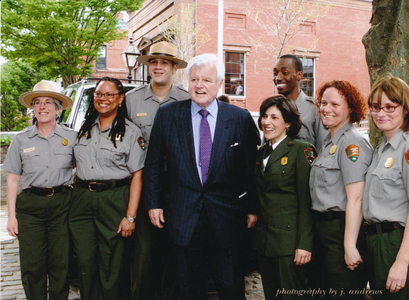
[(120, 104)]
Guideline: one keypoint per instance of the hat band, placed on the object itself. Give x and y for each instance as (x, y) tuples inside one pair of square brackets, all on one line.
[(162, 54)]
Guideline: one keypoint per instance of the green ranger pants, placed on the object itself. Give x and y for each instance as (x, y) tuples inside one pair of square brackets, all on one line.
[(341, 282), (44, 244), (282, 279), (153, 267), (94, 220), (382, 250)]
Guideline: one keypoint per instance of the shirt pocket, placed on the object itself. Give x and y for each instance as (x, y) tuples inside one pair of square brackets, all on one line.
[(145, 125), (62, 158), (31, 161), (81, 150), (385, 182), (328, 172), (109, 156)]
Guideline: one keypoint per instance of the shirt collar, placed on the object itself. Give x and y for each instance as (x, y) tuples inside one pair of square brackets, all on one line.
[(339, 133), (212, 108), (172, 94), (277, 143), (33, 131), (396, 139)]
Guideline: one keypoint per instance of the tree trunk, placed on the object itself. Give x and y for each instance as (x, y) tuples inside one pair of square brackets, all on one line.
[(387, 45)]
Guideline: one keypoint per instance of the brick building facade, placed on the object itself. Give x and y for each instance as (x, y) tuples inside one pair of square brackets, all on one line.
[(330, 44)]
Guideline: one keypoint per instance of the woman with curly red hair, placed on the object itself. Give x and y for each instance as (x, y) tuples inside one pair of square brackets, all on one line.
[(337, 183)]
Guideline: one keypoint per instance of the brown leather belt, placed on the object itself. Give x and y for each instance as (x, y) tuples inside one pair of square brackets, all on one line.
[(329, 215), (47, 191), (102, 185), (384, 227)]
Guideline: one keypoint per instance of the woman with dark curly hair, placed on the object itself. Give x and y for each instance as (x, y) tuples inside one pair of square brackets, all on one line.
[(337, 184), (284, 231), (109, 158)]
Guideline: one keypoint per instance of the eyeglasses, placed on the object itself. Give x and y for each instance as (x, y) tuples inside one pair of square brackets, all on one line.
[(47, 103), (106, 95), (387, 108)]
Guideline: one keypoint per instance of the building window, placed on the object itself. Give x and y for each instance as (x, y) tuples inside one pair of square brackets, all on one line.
[(234, 78), (101, 62), (307, 82)]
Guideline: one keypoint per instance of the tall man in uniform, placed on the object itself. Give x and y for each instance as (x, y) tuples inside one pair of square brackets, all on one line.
[(205, 198), (288, 73), (142, 103)]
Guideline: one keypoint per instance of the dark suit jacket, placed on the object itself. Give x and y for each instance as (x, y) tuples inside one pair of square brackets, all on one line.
[(285, 220), (179, 190)]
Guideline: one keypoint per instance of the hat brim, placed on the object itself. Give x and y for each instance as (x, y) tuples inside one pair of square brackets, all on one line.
[(27, 98), (144, 59)]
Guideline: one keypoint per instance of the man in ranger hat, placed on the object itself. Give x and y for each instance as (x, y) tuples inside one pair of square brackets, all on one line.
[(42, 157), (142, 103)]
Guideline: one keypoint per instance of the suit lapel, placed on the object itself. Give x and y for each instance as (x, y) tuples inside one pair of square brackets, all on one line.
[(221, 134), (184, 129), (280, 151)]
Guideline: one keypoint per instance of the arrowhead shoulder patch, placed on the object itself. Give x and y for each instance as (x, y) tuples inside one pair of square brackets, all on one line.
[(352, 152), (310, 155)]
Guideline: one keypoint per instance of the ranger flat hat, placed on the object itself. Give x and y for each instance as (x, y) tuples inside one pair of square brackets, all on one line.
[(163, 50), (45, 88)]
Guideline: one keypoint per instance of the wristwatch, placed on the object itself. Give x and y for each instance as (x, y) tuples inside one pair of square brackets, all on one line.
[(130, 219)]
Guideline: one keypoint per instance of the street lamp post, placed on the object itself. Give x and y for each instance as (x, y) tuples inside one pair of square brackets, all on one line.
[(129, 56)]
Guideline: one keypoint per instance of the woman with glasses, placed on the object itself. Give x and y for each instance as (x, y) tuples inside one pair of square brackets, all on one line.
[(110, 155), (337, 183), (42, 157), (386, 206)]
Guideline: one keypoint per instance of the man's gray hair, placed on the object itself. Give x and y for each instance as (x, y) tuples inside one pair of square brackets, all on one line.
[(204, 60)]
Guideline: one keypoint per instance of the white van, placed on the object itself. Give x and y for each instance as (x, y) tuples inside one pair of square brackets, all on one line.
[(81, 93)]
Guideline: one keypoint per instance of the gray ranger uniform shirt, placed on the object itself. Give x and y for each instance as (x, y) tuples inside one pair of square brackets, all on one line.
[(98, 159), (42, 162), (312, 129), (387, 182), (142, 105), (344, 159)]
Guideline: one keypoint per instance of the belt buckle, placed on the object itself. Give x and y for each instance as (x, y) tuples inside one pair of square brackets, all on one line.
[(94, 183), (52, 193)]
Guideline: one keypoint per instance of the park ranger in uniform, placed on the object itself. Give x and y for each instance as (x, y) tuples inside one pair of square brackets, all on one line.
[(110, 156), (142, 103), (385, 203), (337, 182), (42, 156)]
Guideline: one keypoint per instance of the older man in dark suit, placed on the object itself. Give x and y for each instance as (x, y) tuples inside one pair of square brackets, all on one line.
[(206, 195)]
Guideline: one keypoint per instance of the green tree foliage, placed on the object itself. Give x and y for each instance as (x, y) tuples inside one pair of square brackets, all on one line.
[(63, 36), (16, 78)]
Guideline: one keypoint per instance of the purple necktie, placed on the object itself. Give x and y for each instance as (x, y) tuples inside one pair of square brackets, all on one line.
[(205, 144)]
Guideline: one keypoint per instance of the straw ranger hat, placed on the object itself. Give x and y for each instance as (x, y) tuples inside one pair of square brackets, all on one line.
[(163, 50), (45, 88)]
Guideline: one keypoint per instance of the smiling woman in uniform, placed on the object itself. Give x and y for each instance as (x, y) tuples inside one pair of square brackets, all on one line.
[(284, 231), (109, 156), (386, 205), (42, 156), (337, 184)]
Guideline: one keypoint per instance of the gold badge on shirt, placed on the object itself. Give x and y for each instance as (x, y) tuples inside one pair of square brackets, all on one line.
[(333, 149), (389, 162), (64, 142), (141, 115), (29, 149), (284, 160)]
